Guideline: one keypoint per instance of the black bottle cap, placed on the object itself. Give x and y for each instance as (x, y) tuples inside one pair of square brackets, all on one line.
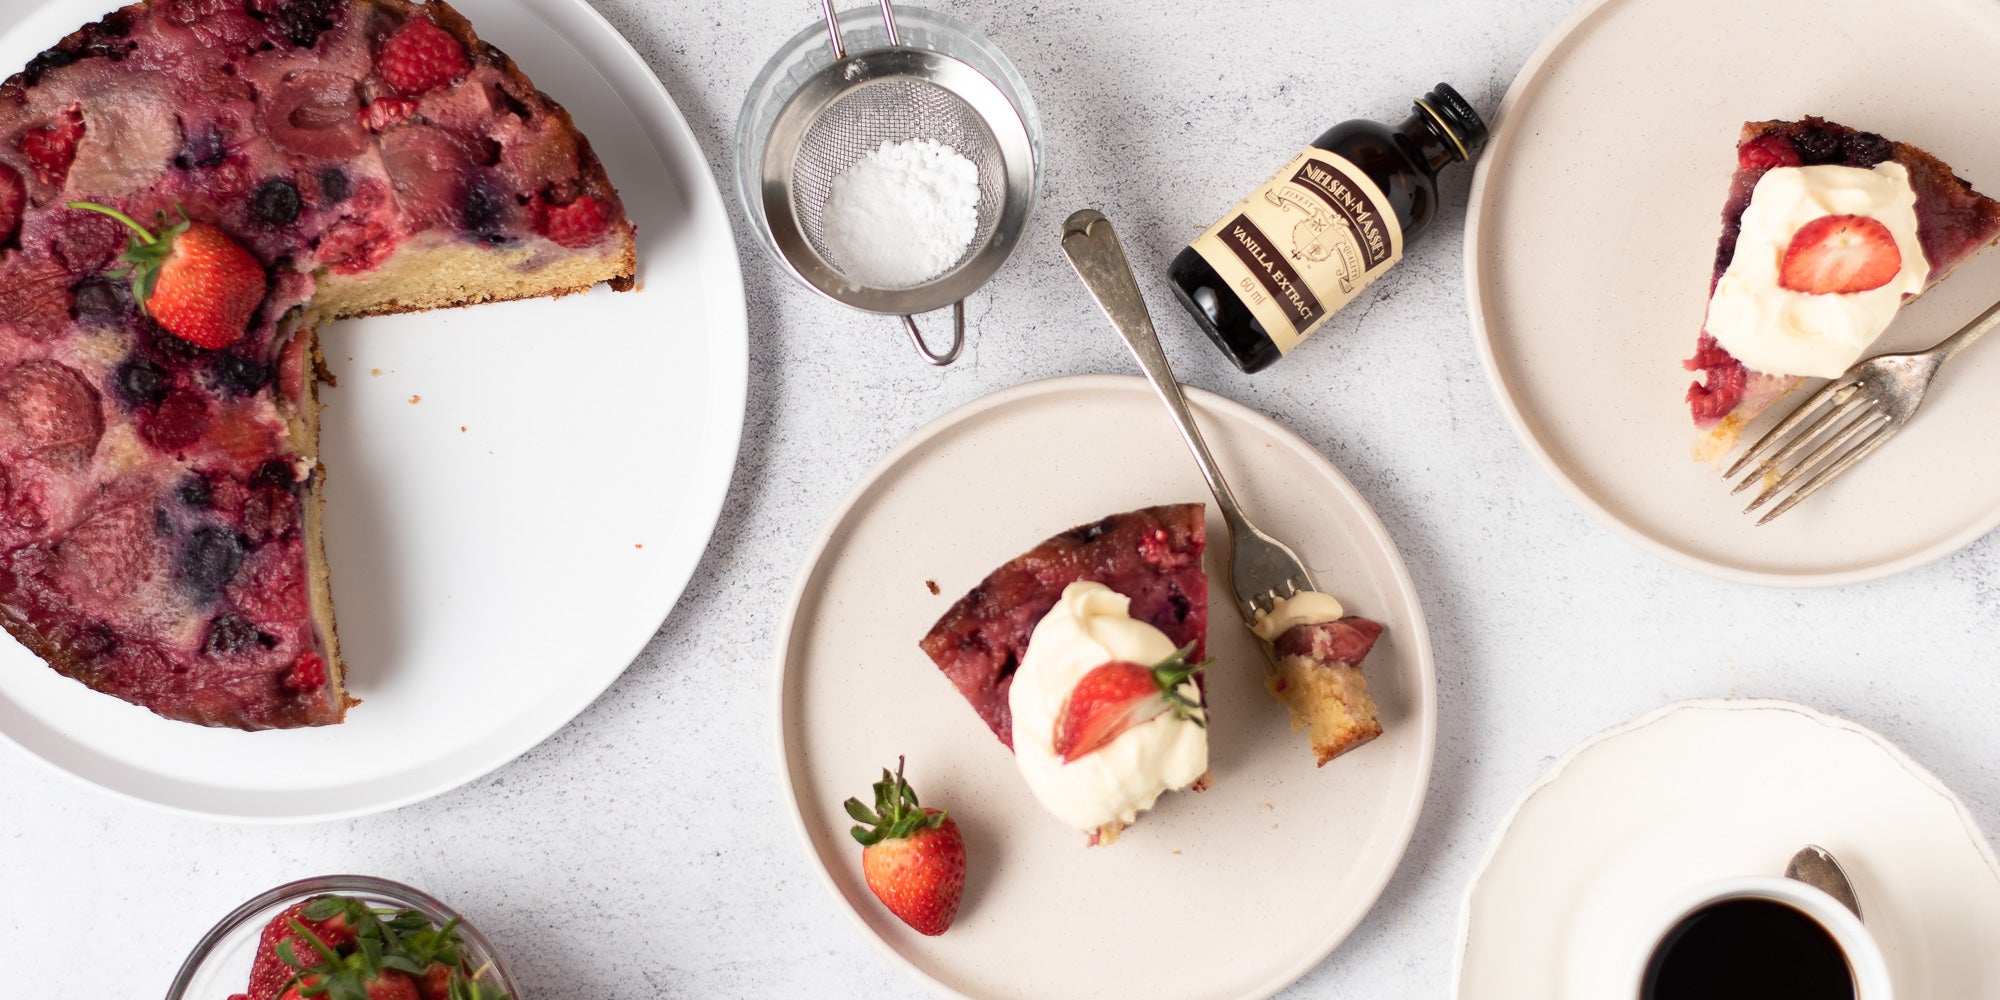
[(1454, 114)]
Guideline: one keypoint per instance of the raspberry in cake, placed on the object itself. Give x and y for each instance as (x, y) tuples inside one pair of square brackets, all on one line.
[(160, 485), (1826, 232)]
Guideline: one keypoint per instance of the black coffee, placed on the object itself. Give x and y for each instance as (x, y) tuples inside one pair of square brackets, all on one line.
[(1747, 949)]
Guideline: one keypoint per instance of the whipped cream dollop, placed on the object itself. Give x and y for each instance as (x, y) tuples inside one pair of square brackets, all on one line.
[(1090, 626), (1774, 329), (1307, 607)]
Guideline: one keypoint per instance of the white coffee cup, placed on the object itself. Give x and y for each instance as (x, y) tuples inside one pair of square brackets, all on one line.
[(1864, 956)]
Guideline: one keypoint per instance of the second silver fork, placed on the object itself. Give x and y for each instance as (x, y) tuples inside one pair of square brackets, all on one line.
[(1858, 413), (1261, 569)]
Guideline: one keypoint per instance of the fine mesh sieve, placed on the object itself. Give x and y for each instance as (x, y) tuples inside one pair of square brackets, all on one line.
[(851, 107)]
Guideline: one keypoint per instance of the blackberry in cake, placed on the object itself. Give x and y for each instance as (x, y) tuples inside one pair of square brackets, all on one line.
[(1083, 655), (1826, 232), (307, 160)]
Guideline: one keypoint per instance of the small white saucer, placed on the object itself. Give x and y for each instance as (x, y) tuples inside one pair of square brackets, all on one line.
[(1705, 790)]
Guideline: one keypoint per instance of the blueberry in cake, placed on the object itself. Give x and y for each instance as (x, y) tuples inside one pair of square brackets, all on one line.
[(1826, 232), (187, 189)]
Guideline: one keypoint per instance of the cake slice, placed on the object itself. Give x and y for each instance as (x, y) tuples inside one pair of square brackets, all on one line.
[(1318, 649), (160, 489), (1152, 556), (1083, 655), (1826, 232)]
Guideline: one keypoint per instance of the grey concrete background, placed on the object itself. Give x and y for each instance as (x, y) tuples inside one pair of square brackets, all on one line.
[(642, 851)]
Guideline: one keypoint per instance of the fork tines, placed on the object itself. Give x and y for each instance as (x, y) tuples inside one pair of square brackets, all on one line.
[(1848, 417)]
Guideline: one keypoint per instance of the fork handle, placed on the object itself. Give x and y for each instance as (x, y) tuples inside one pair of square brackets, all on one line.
[(1092, 246), (1964, 338)]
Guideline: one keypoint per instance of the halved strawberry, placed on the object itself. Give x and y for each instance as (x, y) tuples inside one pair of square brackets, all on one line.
[(1840, 254), (1115, 696)]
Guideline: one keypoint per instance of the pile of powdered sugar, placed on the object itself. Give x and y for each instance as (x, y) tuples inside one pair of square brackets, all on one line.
[(903, 214)]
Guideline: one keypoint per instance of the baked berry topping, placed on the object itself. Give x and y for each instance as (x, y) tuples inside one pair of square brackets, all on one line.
[(1816, 145), (51, 148), (420, 56), (109, 553), (35, 299), (178, 421), (195, 492), (142, 383), (100, 298), (55, 413), (13, 200), (575, 225), (308, 673), (1724, 379), (231, 634), (208, 562), (204, 148), (1865, 149), (385, 112), (313, 113), (236, 375), (276, 472), (1840, 254), (300, 22), (1767, 151), (485, 214), (275, 202), (334, 187), (44, 61)]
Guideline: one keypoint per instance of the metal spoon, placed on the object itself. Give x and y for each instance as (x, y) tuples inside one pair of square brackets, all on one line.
[(1814, 866)]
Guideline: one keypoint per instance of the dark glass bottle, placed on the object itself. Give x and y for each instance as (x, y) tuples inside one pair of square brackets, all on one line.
[(1306, 242)]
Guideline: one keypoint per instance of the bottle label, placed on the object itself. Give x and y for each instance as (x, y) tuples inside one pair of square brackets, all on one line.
[(1304, 244)]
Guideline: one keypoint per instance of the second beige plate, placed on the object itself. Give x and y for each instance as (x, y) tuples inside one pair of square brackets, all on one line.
[(1591, 240), (1234, 892)]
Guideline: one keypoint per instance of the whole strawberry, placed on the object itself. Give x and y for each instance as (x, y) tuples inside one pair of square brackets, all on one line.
[(269, 973), (912, 858), (1113, 697), (191, 278)]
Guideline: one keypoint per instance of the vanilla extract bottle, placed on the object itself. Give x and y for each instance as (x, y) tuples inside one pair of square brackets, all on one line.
[(1334, 219)]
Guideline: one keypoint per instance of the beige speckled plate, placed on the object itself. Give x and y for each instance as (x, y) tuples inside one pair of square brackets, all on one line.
[(1234, 892), (1593, 222), (1633, 819)]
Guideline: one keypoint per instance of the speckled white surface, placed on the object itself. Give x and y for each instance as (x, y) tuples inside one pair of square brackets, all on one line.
[(642, 851)]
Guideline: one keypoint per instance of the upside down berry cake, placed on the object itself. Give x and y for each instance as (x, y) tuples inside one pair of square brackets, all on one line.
[(1827, 231), (187, 189)]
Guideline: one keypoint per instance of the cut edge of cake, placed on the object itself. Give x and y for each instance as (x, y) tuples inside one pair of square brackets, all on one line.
[(1320, 682)]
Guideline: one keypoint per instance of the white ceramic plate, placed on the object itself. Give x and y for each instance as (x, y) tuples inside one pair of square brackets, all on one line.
[(1593, 223), (489, 492), (1639, 816), (1234, 892)]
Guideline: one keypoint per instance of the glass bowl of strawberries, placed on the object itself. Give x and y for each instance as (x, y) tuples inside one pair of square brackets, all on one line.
[(342, 937)]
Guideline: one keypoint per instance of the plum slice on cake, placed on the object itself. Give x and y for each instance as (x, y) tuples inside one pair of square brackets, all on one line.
[(1081, 656), (1826, 232), (160, 486)]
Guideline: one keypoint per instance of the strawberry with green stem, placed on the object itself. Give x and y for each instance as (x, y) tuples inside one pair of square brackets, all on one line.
[(403, 957), (1116, 696), (912, 858), (195, 281)]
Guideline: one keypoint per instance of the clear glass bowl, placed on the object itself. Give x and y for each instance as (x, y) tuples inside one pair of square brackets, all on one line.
[(219, 966), (809, 51)]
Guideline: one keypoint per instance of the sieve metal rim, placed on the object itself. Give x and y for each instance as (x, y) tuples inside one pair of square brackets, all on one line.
[(834, 81)]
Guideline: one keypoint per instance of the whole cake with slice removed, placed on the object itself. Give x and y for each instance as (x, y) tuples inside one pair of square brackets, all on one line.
[(1083, 655), (1827, 231), (187, 189)]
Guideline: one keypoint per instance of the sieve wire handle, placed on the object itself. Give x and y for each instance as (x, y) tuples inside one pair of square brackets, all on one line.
[(833, 27), (957, 337)]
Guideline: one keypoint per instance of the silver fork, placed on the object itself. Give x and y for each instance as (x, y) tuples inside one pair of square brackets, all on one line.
[(1864, 408), (1261, 568)]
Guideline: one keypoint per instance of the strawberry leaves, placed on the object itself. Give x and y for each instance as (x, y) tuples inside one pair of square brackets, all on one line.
[(380, 957), (896, 814)]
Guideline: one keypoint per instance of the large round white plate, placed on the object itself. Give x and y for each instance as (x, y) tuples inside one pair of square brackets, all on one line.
[(513, 503), (1233, 892), (1696, 792), (1593, 224)]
